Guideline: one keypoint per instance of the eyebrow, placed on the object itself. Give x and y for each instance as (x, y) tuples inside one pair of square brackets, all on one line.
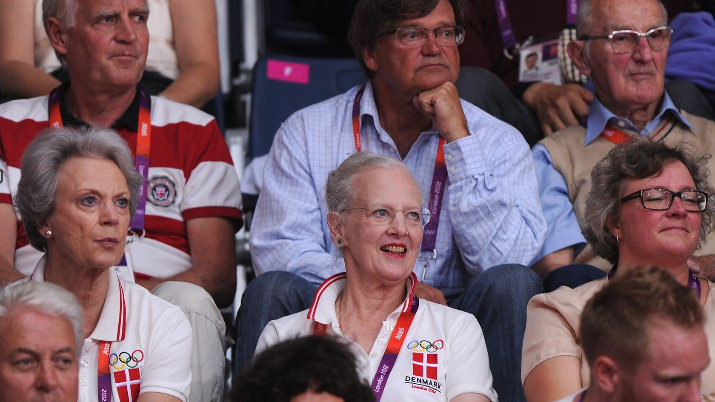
[(26, 351)]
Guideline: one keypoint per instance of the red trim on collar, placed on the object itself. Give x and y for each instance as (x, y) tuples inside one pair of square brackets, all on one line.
[(407, 305), (122, 325), (321, 289), (342, 275)]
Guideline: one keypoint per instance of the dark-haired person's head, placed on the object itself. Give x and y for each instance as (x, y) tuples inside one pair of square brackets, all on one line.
[(643, 338), (315, 366), (378, 28)]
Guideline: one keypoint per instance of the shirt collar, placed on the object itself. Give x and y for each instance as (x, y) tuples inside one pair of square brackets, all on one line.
[(113, 319), (323, 311), (129, 120), (368, 107), (599, 117)]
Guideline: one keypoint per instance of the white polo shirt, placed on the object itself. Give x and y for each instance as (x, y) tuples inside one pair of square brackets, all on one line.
[(150, 334), (443, 355)]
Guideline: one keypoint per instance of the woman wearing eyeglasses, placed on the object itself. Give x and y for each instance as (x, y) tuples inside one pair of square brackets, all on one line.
[(407, 348), (648, 206)]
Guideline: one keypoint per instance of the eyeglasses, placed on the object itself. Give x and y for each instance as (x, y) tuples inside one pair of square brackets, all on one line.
[(416, 36), (660, 199), (385, 216), (625, 40)]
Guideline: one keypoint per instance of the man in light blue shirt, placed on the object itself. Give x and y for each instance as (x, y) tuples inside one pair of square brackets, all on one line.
[(409, 108), (623, 49)]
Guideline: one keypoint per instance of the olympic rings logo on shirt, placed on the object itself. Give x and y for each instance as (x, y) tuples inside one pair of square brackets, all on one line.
[(426, 346), (124, 359)]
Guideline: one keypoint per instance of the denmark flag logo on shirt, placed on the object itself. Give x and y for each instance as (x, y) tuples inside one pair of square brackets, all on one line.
[(127, 384), (424, 365)]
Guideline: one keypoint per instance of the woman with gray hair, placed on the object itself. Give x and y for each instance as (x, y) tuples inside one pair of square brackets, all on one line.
[(648, 206), (77, 193), (408, 348), (40, 339)]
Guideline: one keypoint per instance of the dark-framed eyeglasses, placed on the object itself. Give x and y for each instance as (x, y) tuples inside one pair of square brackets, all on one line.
[(416, 36), (660, 199), (385, 216), (625, 40)]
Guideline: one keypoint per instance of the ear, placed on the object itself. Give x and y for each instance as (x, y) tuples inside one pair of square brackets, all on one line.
[(335, 224), (57, 35), (606, 374), (576, 50), (614, 226), (368, 56), (43, 228)]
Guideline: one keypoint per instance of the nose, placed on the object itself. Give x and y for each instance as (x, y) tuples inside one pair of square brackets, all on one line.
[(693, 391), (431, 46), (677, 208), (642, 51), (109, 213), (398, 225), (126, 31), (46, 379)]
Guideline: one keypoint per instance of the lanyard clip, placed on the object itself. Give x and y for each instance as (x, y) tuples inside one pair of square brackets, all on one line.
[(133, 235), (427, 259)]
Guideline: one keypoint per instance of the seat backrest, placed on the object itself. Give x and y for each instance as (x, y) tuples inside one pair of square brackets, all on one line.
[(282, 85)]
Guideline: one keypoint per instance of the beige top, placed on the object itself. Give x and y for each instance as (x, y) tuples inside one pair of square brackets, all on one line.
[(161, 57), (552, 321)]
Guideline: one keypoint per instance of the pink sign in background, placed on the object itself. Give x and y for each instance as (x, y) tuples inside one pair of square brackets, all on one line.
[(298, 73)]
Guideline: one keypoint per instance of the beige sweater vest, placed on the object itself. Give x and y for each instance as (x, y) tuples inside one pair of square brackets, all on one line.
[(575, 161)]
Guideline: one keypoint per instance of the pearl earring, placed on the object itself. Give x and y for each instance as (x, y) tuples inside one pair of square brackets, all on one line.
[(48, 233)]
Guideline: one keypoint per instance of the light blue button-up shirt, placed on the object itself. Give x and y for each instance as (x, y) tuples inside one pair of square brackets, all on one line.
[(490, 212)]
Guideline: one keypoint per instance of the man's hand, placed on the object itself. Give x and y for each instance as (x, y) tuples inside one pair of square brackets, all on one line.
[(558, 106), (443, 106), (703, 265), (428, 292)]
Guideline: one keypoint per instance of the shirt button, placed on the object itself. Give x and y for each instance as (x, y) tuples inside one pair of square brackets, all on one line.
[(84, 383), (452, 169), (449, 157), (452, 209), (83, 363), (621, 123)]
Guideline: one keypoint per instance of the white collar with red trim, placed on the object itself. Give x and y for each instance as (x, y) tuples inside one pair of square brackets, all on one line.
[(113, 319), (322, 309)]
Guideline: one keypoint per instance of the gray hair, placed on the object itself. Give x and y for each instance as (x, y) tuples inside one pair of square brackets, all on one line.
[(37, 190), (372, 19), (339, 193), (585, 14), (636, 160), (46, 298), (64, 10)]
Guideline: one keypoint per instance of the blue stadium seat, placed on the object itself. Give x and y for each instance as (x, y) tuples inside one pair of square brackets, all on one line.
[(285, 84)]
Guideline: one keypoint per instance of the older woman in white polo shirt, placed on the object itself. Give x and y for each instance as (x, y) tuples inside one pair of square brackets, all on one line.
[(76, 195), (407, 348)]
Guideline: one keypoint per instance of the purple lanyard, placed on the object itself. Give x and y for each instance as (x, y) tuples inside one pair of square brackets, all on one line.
[(507, 33), (142, 152), (693, 282), (439, 182), (397, 339)]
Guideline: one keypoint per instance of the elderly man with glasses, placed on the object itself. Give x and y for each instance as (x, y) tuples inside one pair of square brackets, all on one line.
[(622, 46), (475, 174)]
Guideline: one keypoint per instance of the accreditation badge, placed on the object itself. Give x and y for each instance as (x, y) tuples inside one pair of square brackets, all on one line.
[(540, 61)]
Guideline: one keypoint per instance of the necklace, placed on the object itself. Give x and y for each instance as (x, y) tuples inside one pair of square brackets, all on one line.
[(339, 302)]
